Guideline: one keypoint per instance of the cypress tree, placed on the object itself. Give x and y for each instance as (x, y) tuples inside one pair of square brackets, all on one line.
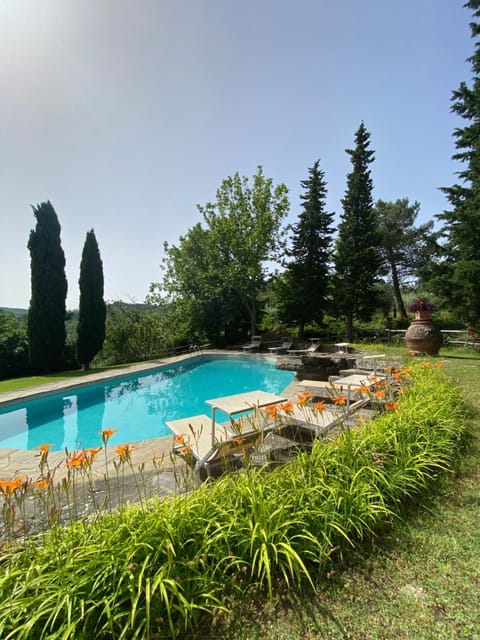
[(357, 259), (92, 307), (302, 291), (458, 275), (47, 311)]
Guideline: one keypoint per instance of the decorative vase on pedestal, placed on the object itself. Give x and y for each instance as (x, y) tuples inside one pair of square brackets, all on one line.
[(423, 336)]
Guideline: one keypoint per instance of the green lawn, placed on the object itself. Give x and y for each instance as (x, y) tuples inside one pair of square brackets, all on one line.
[(15, 384)]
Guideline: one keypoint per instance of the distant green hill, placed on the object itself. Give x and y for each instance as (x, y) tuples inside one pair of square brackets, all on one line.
[(19, 313)]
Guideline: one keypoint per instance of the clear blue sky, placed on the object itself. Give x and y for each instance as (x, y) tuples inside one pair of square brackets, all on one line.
[(127, 113)]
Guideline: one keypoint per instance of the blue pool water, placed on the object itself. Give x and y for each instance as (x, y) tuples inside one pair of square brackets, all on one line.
[(137, 406)]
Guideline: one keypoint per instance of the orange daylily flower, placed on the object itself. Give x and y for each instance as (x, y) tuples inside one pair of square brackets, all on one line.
[(41, 484), (179, 438), (83, 459), (320, 406), (271, 410), (43, 448), (287, 407), (43, 455), (380, 394), (7, 487), (89, 456), (391, 406), (340, 400), (363, 389), (76, 461), (107, 434), (123, 451), (303, 397)]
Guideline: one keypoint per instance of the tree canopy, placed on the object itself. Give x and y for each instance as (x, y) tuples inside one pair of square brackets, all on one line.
[(92, 307), (357, 259), (47, 311), (220, 268), (303, 288), (402, 245), (458, 275)]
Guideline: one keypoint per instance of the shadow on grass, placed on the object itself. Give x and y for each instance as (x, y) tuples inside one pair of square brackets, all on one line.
[(461, 357)]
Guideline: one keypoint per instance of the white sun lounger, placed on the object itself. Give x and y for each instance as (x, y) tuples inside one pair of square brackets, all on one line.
[(254, 344), (193, 436), (299, 352), (284, 346), (317, 421), (209, 442)]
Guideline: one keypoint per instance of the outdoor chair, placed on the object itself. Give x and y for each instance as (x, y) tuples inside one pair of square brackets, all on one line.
[(204, 443), (254, 344), (193, 441), (300, 352), (281, 348), (321, 422)]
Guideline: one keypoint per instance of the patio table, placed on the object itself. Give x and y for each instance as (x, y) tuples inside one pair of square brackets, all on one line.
[(240, 402)]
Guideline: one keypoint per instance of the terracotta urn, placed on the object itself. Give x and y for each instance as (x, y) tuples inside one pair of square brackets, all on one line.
[(423, 337)]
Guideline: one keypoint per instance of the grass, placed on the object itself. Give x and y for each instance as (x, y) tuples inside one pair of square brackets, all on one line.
[(418, 581), (16, 384)]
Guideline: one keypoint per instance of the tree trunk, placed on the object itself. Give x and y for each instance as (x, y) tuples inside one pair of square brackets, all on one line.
[(301, 330), (396, 288), (252, 312), (349, 327)]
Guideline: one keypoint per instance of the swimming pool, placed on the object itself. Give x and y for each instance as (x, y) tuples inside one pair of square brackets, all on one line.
[(137, 405)]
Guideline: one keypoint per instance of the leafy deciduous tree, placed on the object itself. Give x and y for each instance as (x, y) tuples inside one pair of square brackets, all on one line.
[(46, 314), (133, 333), (13, 346), (223, 266)]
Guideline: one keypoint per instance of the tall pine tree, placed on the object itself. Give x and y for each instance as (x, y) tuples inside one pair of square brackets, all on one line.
[(357, 259), (47, 311), (92, 308), (302, 290), (459, 277)]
